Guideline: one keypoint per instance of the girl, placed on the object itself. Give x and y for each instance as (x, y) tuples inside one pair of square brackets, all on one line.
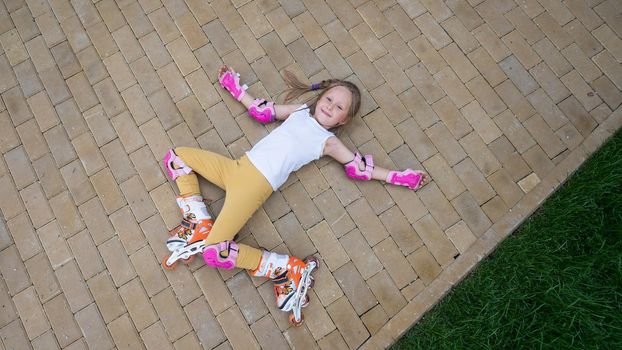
[(304, 136)]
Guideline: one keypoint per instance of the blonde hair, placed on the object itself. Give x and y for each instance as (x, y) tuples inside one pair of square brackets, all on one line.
[(297, 88)]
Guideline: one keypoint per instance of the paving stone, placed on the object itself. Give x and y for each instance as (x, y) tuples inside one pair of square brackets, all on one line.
[(471, 213), (76, 35), (523, 23), (13, 336), (10, 138), (486, 96), (334, 340), (511, 160), (73, 286), (487, 66), (171, 314), (13, 271), (106, 297), (461, 236), (474, 180), (529, 182), (42, 277), (33, 141), (154, 337), (515, 100), (55, 85), (27, 78), (388, 294), (538, 161), (457, 92), (237, 331), (62, 320), (45, 341), (294, 236), (416, 106), (369, 224), (447, 181), (204, 323), (438, 205), (609, 40), (581, 62), (268, 335), (24, 236), (435, 240), (43, 111), (610, 67), (445, 143), (35, 202), (93, 327), (491, 42), (124, 334), (138, 305), (13, 47), (16, 105), (424, 263), (429, 56), (347, 322), (505, 187), (495, 208), (544, 136), (19, 167), (425, 83), (606, 11)]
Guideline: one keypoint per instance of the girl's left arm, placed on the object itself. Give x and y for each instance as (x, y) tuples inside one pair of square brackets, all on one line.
[(362, 168)]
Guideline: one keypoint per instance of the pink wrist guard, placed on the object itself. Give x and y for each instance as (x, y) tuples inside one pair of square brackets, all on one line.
[(409, 178), (353, 170), (262, 111), (231, 82)]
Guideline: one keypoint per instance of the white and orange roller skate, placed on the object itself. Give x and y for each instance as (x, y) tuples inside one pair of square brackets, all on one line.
[(188, 239), (292, 280)]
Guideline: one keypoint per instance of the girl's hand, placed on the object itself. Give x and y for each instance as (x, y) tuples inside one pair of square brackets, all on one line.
[(230, 80), (413, 179)]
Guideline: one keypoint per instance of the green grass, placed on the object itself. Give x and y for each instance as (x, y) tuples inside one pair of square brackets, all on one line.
[(556, 283)]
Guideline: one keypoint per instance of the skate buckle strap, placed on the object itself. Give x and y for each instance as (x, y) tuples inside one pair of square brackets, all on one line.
[(213, 255), (170, 160), (262, 111), (352, 168), (231, 82), (409, 178)]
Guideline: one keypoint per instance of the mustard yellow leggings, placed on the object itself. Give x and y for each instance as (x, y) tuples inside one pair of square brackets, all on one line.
[(246, 190)]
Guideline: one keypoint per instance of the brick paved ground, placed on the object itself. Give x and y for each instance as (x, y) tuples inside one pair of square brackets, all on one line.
[(499, 100)]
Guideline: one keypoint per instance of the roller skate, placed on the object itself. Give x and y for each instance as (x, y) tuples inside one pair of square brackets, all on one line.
[(292, 280), (187, 239)]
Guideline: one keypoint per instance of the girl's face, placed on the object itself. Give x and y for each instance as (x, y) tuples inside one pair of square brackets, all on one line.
[(332, 108)]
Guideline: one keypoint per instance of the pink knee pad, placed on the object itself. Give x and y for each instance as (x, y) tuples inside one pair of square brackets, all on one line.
[(231, 82), (171, 159), (262, 111), (353, 170), (212, 254)]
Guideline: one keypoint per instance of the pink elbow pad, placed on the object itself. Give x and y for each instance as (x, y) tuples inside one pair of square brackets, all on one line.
[(353, 170), (262, 111)]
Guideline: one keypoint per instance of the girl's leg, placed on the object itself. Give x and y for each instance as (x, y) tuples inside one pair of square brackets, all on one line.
[(247, 190), (212, 166)]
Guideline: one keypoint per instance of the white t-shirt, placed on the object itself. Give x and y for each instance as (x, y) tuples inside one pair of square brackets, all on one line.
[(296, 142)]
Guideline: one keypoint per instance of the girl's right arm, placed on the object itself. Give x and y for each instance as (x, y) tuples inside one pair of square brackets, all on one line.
[(261, 110), (362, 168)]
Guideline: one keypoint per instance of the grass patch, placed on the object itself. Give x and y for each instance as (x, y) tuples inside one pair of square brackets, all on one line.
[(556, 283)]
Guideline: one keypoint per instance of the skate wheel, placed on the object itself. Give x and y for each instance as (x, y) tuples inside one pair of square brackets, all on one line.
[(307, 301), (167, 266), (312, 283), (189, 260), (292, 320)]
